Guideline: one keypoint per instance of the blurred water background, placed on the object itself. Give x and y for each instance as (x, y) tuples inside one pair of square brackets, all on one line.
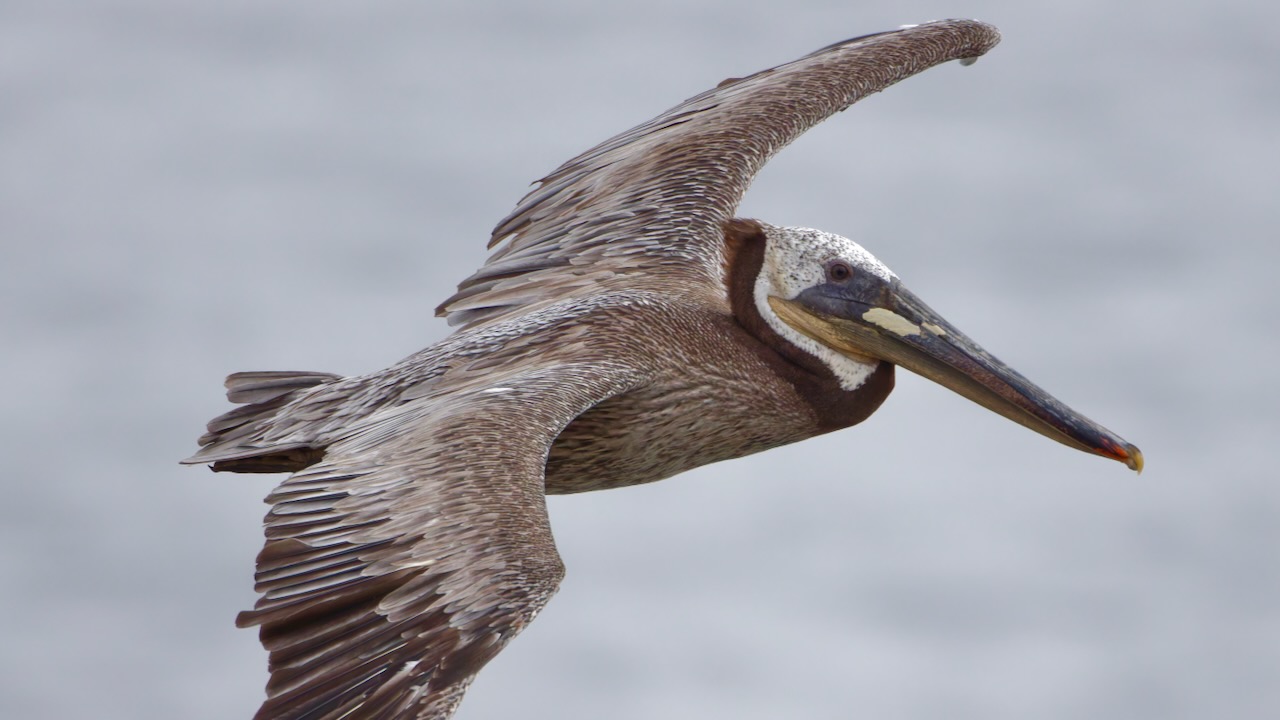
[(193, 188)]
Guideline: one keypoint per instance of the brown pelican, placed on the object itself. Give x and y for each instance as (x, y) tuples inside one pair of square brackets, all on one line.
[(626, 328)]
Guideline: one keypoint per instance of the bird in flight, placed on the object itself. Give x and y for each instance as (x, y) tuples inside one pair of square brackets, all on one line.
[(626, 327)]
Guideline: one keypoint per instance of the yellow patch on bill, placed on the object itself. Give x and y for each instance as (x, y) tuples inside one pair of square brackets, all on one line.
[(891, 321), (935, 329)]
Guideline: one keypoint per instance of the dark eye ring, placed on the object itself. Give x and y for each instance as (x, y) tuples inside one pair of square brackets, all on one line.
[(839, 271)]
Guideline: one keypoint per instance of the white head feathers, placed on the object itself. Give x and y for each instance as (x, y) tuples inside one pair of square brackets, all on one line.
[(796, 259)]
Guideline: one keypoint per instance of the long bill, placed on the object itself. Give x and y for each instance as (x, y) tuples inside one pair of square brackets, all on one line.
[(902, 330)]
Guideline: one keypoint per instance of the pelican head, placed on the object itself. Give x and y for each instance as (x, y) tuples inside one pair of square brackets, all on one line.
[(833, 299)]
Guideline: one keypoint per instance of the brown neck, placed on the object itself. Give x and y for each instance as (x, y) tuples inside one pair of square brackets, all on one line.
[(835, 407)]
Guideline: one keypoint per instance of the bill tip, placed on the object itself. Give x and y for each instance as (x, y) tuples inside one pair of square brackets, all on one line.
[(1133, 458)]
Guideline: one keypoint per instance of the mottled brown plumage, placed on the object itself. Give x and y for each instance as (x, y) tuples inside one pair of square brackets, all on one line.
[(614, 337), (643, 210)]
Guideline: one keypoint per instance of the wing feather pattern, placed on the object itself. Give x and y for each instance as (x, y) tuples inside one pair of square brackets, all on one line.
[(399, 565), (657, 195)]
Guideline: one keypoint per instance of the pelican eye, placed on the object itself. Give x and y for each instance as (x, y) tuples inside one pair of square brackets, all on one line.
[(839, 271)]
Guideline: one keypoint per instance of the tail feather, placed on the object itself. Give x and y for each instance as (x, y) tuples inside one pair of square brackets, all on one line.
[(235, 439)]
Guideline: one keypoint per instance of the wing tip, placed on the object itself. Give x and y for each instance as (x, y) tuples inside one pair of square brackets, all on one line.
[(977, 37), (970, 38)]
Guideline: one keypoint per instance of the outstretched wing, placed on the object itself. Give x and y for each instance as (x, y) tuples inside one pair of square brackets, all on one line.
[(400, 564), (657, 194)]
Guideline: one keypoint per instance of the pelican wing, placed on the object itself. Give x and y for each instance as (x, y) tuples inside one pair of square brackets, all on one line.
[(396, 567), (657, 194)]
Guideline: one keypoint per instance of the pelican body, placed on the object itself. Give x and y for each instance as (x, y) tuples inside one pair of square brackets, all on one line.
[(626, 328)]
